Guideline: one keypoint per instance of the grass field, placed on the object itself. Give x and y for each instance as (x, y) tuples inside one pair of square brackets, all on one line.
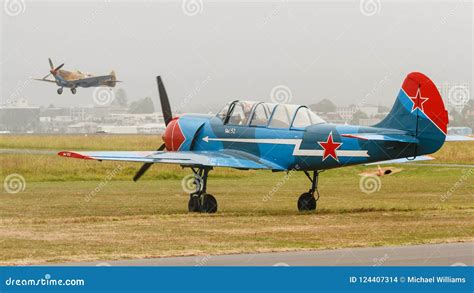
[(70, 210)]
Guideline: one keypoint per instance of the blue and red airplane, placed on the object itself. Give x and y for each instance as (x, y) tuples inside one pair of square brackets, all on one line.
[(281, 137)]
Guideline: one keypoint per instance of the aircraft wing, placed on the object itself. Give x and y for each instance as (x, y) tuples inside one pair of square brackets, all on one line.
[(47, 80), (224, 158), (383, 137), (91, 80)]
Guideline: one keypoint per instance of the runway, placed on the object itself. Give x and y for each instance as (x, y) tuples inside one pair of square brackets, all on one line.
[(453, 254)]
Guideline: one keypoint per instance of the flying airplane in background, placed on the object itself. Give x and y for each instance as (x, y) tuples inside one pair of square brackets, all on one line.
[(75, 79), (282, 137)]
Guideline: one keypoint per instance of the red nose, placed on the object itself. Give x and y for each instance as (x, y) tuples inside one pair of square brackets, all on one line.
[(173, 136)]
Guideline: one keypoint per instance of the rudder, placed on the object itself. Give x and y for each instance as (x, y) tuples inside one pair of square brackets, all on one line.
[(419, 110)]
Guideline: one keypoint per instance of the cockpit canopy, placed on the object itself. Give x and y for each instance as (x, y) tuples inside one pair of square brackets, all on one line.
[(260, 114)]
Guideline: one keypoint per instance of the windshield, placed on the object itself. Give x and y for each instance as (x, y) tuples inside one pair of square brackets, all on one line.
[(239, 113)]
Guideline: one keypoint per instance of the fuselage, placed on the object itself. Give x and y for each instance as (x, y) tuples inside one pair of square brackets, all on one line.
[(308, 148), (69, 79)]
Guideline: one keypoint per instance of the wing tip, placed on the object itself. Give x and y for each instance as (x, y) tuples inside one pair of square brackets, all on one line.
[(74, 155)]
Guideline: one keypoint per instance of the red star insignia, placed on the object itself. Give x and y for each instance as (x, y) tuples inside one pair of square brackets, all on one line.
[(330, 147), (418, 101)]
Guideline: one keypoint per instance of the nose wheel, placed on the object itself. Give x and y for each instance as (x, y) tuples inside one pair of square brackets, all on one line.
[(307, 201), (73, 91), (200, 201), (60, 90)]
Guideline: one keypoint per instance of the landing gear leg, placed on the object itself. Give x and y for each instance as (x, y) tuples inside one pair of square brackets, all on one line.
[(200, 201), (307, 201)]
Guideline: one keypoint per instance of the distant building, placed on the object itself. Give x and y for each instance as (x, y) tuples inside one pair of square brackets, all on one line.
[(346, 113), (82, 127), (460, 131), (118, 129), (151, 128), (18, 117), (455, 94)]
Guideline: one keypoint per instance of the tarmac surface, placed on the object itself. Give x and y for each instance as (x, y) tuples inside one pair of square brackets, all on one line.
[(452, 254)]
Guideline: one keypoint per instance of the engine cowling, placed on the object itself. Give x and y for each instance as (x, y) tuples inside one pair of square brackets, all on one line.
[(173, 136)]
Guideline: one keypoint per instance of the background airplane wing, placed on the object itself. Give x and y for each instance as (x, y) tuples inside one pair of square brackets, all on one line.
[(90, 80), (47, 80), (226, 158)]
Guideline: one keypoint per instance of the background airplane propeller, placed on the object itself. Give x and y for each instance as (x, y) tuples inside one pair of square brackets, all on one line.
[(53, 70), (167, 116)]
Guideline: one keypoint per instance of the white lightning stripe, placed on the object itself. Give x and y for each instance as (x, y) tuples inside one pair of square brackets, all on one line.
[(291, 141)]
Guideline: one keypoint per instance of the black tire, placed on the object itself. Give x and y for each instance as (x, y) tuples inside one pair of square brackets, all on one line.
[(306, 202), (73, 91), (193, 204), (60, 91), (209, 204)]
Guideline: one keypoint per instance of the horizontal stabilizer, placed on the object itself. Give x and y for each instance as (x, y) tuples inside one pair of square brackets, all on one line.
[(383, 137), (403, 160)]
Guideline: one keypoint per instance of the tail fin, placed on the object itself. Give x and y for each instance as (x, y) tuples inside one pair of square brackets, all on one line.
[(419, 110), (113, 79)]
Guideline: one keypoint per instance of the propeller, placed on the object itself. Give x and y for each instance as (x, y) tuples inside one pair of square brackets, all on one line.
[(165, 103), (167, 116), (53, 70)]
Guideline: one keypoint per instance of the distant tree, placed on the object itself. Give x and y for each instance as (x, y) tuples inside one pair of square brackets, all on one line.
[(357, 116), (467, 113), (323, 106), (120, 98), (458, 119), (143, 106)]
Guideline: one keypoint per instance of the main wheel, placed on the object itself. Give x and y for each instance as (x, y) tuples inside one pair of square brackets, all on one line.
[(209, 204), (73, 91), (60, 91), (193, 204), (306, 202)]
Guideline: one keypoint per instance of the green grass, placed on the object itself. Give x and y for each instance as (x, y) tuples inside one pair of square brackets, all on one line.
[(70, 211)]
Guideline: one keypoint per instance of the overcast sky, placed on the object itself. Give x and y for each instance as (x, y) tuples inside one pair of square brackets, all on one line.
[(211, 52)]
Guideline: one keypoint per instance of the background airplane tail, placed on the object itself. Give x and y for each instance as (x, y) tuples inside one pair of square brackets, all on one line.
[(113, 79), (419, 109)]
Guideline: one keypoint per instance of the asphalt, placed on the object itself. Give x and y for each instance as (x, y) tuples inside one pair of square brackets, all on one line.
[(453, 254)]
